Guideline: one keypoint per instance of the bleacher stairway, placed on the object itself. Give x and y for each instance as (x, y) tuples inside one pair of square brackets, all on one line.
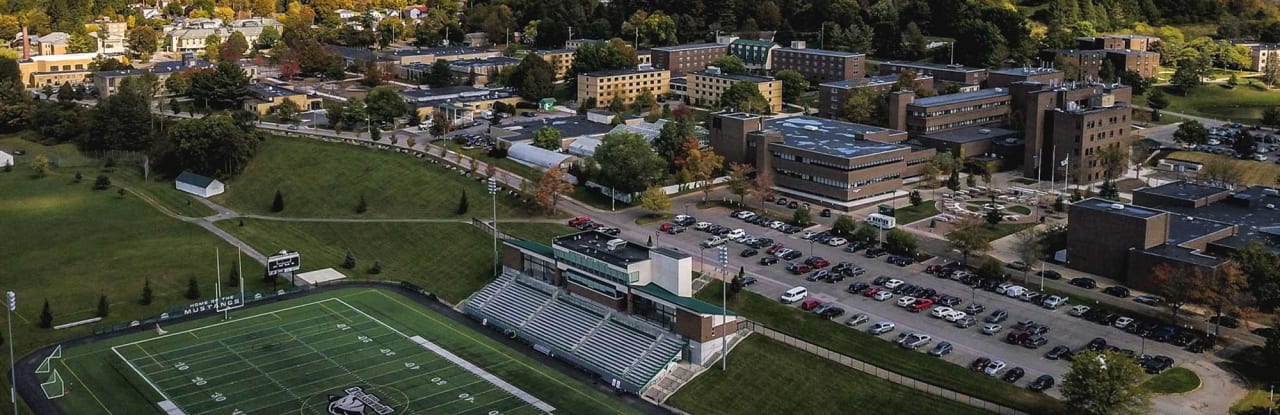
[(601, 341)]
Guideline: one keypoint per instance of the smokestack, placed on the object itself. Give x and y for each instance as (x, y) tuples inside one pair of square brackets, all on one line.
[(26, 44)]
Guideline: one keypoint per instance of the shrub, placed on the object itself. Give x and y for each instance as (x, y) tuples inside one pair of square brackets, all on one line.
[(350, 261), (277, 204), (102, 183), (193, 289), (46, 315)]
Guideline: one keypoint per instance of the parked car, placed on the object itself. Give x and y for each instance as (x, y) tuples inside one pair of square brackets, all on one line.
[(991, 328), (1018, 265), (1054, 301), (882, 296), (940, 349), (794, 294), (1123, 322), (749, 252), (997, 316), (994, 368), (881, 327), (857, 319), (975, 308), (892, 283), (1057, 352), (966, 322), (1158, 364), (906, 301), (1225, 321), (1116, 291), (810, 303), (1148, 299), (748, 280), (1042, 383), (831, 311), (979, 364), (916, 341), (857, 287), (1034, 342), (1013, 375), (1078, 310), (1050, 274), (768, 260), (1083, 282), (1097, 344)]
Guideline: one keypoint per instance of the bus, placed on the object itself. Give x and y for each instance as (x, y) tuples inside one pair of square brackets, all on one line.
[(881, 221)]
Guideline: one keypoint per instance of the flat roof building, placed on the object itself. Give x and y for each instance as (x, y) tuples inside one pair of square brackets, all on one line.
[(832, 163), (930, 115), (968, 78), (1002, 78), (624, 84), (706, 87), (819, 65), (681, 59), (560, 59), (1146, 64), (832, 96)]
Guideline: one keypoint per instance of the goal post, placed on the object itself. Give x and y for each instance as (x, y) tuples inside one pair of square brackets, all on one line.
[(55, 387), (47, 364)]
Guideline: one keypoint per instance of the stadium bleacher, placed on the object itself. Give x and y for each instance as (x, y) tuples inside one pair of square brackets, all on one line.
[(601, 343)]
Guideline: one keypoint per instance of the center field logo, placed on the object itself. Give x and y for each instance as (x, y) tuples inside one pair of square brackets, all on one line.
[(355, 402)]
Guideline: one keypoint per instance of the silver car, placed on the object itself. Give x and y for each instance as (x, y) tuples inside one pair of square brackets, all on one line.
[(881, 327), (991, 328)]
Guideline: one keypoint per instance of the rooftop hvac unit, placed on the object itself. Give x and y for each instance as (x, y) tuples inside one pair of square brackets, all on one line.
[(615, 244), (811, 127), (1117, 206), (984, 131)]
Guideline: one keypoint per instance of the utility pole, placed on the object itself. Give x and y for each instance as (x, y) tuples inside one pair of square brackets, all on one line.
[(12, 300)]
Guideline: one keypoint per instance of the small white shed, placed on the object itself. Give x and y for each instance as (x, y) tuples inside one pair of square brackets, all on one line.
[(199, 185), (6, 159)]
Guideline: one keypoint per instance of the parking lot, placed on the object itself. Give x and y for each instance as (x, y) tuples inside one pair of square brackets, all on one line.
[(1223, 138), (969, 343)]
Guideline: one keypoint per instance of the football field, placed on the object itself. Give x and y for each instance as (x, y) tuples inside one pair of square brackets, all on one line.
[(320, 354)]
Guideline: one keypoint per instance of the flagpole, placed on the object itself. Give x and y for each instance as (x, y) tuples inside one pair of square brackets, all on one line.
[(1066, 175), (1053, 169)]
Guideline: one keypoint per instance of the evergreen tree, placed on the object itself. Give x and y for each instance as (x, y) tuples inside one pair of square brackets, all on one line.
[(953, 182), (277, 204), (362, 206), (376, 268), (104, 307), (146, 293), (233, 279), (350, 261), (193, 289), (916, 199), (46, 316), (462, 204)]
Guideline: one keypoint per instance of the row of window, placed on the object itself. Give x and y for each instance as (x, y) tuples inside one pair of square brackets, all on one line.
[(632, 77), (966, 108), (841, 167), (957, 124), (56, 68)]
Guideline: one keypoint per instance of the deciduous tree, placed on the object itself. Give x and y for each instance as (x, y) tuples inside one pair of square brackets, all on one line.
[(740, 180), (547, 137), (793, 85), (550, 187), (1107, 383), (701, 164), (744, 96), (533, 78), (967, 237), (46, 315), (1177, 283), (627, 163), (656, 201)]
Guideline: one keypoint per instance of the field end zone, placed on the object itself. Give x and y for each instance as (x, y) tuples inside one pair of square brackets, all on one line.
[(325, 356)]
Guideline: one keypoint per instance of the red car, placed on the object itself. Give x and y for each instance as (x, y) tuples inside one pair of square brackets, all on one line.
[(799, 268), (810, 303), (871, 292), (933, 269), (774, 249), (666, 227), (920, 305), (817, 262), (579, 220)]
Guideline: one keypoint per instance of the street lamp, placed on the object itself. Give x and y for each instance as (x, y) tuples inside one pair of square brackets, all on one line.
[(493, 191), (811, 247), (724, 307)]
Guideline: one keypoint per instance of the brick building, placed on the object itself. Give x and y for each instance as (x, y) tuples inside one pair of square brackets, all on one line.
[(969, 79), (920, 116), (832, 163), (1002, 78), (1144, 63), (819, 65), (681, 59), (833, 95)]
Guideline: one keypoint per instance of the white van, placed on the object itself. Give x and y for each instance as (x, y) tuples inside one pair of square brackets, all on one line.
[(794, 294)]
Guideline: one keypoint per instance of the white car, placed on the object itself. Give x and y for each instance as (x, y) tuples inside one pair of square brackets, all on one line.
[(744, 214), (881, 327), (736, 233), (808, 235), (1002, 288), (994, 368), (891, 284), (1078, 311), (940, 312), (702, 225), (1123, 322), (777, 224), (794, 294), (837, 241), (680, 218), (1026, 296), (1054, 301), (883, 295), (960, 275), (906, 300), (1015, 291), (954, 316)]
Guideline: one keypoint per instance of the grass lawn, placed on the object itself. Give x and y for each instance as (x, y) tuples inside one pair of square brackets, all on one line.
[(1243, 103), (1257, 397), (1019, 209), (505, 164), (449, 259), (1254, 172), (316, 346), (1175, 380), (598, 200), (908, 214), (868, 348), (68, 244), (320, 179), (766, 376), (1000, 230)]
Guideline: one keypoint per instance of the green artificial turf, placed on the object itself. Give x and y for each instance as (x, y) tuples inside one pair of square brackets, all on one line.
[(291, 356)]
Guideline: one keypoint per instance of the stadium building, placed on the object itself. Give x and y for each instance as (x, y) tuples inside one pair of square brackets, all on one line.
[(614, 308)]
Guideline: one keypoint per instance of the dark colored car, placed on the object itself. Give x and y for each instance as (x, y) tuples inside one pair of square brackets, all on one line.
[(1050, 274), (1158, 364), (769, 260), (748, 280), (979, 364), (1057, 352), (1116, 291), (875, 252), (880, 280), (940, 349), (1041, 383), (826, 213), (1034, 342), (974, 308), (1013, 375), (792, 255), (1097, 344), (1084, 282), (749, 252), (857, 287), (831, 312), (1225, 321)]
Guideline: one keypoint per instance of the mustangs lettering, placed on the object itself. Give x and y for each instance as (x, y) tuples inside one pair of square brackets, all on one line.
[(356, 402)]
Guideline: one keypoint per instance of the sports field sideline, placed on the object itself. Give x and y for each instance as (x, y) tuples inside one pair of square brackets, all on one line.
[(350, 351)]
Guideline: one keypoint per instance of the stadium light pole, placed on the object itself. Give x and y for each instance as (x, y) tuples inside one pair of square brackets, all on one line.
[(493, 191), (12, 303), (724, 308)]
